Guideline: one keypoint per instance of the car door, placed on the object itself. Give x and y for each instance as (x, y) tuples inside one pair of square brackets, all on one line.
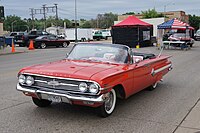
[(142, 77), (53, 41)]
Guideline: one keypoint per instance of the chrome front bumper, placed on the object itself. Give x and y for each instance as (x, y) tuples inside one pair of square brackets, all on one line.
[(67, 97)]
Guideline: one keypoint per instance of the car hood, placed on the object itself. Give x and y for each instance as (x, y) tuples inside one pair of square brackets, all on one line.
[(69, 69)]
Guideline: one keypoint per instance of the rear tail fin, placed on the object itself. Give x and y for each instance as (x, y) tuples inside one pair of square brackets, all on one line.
[(161, 50)]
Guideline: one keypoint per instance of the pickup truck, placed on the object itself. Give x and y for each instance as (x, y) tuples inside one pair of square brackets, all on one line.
[(23, 40), (101, 34), (9, 37)]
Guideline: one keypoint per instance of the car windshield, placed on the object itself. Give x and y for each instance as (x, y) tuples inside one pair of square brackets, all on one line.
[(109, 53), (42, 37)]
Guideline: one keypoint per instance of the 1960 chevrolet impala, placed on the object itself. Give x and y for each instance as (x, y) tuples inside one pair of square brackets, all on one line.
[(93, 75)]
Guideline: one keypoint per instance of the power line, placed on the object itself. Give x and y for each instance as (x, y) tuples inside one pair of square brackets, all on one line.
[(43, 11)]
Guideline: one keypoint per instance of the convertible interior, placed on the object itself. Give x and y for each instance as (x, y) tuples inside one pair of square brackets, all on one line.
[(144, 55)]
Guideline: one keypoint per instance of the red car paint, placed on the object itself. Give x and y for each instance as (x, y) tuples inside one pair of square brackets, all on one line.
[(133, 77)]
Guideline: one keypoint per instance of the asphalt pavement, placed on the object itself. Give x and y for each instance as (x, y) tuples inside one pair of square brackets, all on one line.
[(174, 107)]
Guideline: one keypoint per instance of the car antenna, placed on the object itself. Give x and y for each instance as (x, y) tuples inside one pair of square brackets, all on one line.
[(161, 50)]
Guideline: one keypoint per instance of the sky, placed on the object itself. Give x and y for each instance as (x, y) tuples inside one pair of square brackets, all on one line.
[(89, 9)]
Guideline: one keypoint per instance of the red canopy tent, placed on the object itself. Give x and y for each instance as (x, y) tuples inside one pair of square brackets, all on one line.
[(132, 21), (132, 31)]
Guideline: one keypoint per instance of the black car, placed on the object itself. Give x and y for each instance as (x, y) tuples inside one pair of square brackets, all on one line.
[(24, 40), (50, 40)]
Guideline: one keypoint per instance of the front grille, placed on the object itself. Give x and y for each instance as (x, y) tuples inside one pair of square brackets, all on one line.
[(58, 84)]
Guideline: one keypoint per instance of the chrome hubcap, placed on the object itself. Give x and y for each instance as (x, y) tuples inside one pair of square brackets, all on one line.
[(109, 102), (64, 44), (43, 45)]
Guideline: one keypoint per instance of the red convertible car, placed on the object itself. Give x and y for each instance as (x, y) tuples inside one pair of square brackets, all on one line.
[(93, 75)]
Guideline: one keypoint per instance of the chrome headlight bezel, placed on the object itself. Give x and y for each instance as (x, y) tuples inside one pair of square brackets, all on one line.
[(30, 80), (94, 88), (22, 79), (83, 87)]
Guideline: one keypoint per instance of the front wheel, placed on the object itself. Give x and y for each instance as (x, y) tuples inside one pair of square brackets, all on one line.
[(43, 45), (109, 105), (65, 44), (41, 102)]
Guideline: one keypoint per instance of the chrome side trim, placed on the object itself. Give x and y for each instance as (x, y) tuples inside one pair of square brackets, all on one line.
[(161, 69), (99, 99)]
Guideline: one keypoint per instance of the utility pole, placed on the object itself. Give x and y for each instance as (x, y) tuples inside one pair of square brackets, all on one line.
[(56, 6), (44, 10), (76, 39), (44, 13), (165, 12), (12, 25), (32, 16)]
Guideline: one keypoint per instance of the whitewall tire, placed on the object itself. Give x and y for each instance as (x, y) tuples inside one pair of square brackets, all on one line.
[(109, 105)]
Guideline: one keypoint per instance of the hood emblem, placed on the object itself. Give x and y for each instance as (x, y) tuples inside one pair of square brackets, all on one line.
[(53, 83)]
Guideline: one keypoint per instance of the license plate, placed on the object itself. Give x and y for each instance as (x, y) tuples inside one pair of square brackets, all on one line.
[(56, 99)]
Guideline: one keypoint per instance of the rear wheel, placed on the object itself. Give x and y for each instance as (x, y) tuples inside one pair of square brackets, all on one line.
[(41, 102), (43, 45), (108, 107), (65, 44)]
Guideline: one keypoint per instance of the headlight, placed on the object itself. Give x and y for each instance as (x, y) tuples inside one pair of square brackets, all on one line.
[(29, 80), (83, 87), (94, 88), (22, 79)]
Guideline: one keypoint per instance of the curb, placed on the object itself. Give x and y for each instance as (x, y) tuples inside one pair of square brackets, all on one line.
[(1, 54)]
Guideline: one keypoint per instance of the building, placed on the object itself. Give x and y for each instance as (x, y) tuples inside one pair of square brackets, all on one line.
[(181, 15)]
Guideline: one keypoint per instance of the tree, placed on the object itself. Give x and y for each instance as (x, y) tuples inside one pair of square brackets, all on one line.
[(106, 20), (194, 21), (16, 23), (151, 13), (87, 24), (129, 13)]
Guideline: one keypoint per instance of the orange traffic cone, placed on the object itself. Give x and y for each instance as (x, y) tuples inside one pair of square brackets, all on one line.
[(13, 47), (31, 47)]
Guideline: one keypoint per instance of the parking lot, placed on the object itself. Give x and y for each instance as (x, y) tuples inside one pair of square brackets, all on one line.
[(167, 109)]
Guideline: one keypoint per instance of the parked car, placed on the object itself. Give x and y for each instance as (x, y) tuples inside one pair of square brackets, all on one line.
[(93, 75), (197, 35), (61, 35), (24, 40), (182, 37), (101, 34), (50, 40), (11, 37)]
